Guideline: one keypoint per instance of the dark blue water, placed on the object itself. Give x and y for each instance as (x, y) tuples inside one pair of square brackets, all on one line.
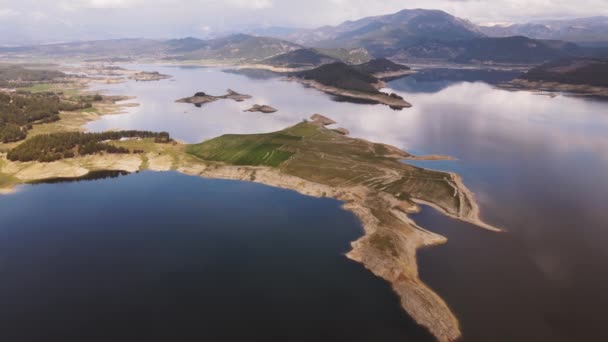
[(536, 164), (437, 79), (168, 257)]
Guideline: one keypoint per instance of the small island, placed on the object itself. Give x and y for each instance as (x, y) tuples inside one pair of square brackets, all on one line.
[(202, 98), (262, 109), (349, 83), (384, 69)]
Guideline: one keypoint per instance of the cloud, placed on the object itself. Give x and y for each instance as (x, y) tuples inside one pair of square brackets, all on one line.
[(174, 18)]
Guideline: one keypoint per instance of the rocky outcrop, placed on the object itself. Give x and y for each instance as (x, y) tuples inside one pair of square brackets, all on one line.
[(321, 120), (262, 109), (342, 131), (202, 98)]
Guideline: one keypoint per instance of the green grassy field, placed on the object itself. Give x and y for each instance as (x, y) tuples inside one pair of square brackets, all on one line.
[(320, 155), (256, 149), (38, 88)]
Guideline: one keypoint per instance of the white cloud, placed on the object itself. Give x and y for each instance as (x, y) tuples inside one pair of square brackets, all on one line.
[(179, 18)]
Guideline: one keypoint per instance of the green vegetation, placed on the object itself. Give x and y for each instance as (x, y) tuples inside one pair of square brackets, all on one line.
[(349, 56), (18, 111), (52, 147), (341, 76), (300, 58), (256, 149), (383, 243), (237, 47), (380, 65), (38, 88), (322, 156), (579, 71), (13, 76)]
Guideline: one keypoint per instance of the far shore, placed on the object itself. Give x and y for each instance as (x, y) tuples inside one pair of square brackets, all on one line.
[(555, 87)]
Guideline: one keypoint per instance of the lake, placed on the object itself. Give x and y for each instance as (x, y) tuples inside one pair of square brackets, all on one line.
[(537, 165), (159, 257)]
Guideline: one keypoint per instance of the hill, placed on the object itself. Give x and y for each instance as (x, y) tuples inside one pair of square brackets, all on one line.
[(576, 71), (348, 56), (238, 47), (380, 65), (593, 29), (12, 76), (343, 76), (510, 50), (300, 58), (346, 83), (383, 35), (97, 48)]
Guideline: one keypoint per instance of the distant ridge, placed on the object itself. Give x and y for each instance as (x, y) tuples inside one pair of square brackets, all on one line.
[(238, 47), (577, 71), (383, 35)]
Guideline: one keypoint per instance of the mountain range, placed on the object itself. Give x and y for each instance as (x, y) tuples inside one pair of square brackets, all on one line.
[(580, 30), (405, 36), (384, 35)]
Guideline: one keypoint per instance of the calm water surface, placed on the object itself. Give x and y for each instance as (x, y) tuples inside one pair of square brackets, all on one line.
[(537, 164), (168, 257)]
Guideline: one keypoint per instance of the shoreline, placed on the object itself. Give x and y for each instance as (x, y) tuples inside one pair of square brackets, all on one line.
[(552, 88), (392, 75), (382, 215), (381, 98)]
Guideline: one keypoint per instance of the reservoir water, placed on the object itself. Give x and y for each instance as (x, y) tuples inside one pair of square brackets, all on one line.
[(537, 165), (169, 257)]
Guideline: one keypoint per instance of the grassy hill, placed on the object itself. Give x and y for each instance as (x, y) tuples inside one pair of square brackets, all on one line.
[(321, 155)]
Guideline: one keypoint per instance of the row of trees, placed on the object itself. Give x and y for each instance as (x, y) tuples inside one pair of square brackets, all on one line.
[(52, 147)]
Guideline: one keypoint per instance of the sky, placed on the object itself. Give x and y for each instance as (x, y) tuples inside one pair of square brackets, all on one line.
[(40, 21)]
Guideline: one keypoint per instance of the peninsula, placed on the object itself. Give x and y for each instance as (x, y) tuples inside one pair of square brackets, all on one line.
[(308, 157), (342, 80)]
